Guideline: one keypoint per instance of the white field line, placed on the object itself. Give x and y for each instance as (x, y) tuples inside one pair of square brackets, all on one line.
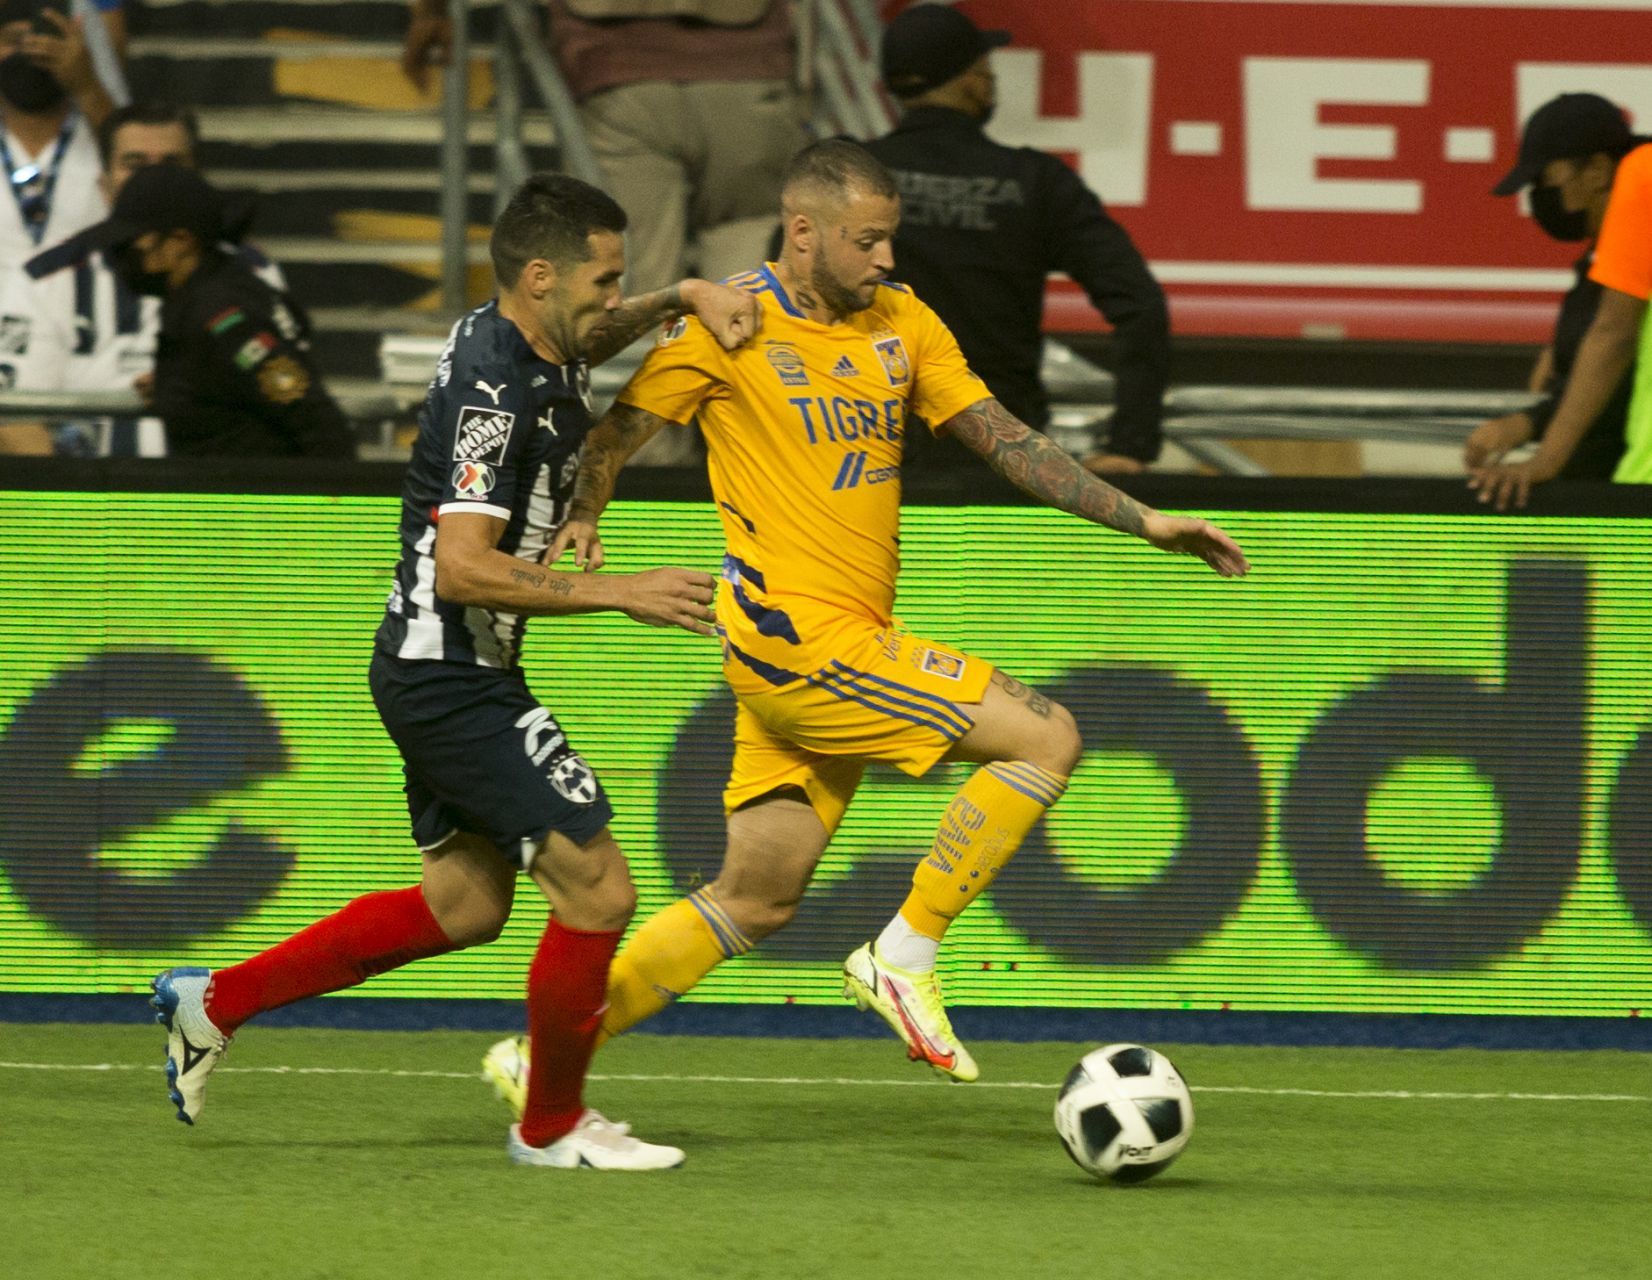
[(852, 1082)]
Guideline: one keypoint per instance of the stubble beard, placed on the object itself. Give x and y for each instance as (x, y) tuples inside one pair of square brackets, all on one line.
[(837, 297)]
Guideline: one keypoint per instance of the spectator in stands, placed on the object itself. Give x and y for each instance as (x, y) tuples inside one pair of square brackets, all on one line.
[(50, 102), (233, 370), (693, 117), (1623, 267), (983, 225), (1570, 154), (88, 331)]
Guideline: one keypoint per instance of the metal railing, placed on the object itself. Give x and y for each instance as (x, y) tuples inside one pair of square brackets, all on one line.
[(838, 40), (519, 46), (375, 410), (1202, 420)]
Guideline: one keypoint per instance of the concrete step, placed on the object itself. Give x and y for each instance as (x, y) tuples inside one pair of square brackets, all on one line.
[(318, 251), (365, 211), (361, 158), (356, 19), (189, 50), (347, 339), (254, 71), (311, 123)]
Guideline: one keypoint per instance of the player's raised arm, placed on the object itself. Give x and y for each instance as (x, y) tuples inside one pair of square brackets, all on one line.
[(1033, 463), (623, 430), (471, 570), (731, 315)]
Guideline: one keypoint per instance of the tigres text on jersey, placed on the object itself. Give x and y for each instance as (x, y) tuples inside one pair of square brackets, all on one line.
[(803, 430)]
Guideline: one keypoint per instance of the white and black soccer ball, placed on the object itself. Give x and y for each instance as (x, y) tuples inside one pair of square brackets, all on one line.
[(1124, 1113)]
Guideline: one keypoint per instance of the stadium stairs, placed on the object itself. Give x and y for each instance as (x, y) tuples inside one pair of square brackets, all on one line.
[(304, 103)]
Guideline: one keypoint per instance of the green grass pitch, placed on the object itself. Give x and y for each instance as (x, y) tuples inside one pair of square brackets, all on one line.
[(815, 1160)]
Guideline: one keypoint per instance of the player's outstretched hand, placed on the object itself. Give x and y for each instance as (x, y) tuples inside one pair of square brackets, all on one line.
[(1191, 537), (1488, 442), (672, 598), (581, 535), (732, 315), (1505, 482)]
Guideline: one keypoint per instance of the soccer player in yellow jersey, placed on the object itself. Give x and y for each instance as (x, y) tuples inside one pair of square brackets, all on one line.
[(803, 427)]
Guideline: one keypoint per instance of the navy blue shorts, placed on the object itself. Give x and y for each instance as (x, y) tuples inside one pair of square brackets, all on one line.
[(481, 755)]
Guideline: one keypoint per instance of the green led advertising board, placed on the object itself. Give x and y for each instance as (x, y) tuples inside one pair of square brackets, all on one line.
[(1405, 766)]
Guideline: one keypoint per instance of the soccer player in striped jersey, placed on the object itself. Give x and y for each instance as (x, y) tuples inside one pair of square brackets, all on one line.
[(494, 787), (803, 428)]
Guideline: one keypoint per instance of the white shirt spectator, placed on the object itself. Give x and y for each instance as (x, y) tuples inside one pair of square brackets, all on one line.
[(69, 168)]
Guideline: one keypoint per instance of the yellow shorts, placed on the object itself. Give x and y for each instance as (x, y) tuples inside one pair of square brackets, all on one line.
[(883, 695)]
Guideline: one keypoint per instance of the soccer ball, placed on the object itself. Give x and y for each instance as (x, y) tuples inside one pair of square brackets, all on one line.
[(1124, 1113)]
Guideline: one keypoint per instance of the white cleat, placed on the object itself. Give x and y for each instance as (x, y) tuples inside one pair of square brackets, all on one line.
[(506, 1065), (594, 1143), (911, 1004), (193, 1045)]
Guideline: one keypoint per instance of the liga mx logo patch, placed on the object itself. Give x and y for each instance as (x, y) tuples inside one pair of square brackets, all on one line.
[(482, 435), (891, 354), (573, 779), (473, 480)]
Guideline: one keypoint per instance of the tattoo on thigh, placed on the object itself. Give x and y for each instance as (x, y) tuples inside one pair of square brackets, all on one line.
[(1036, 702)]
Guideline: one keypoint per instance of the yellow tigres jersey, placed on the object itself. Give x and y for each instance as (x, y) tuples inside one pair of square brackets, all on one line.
[(803, 426)]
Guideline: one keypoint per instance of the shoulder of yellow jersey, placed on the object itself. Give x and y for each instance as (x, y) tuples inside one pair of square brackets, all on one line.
[(900, 308), (692, 333)]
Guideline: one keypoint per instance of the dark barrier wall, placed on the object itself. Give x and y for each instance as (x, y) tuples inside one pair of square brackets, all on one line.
[(1404, 767)]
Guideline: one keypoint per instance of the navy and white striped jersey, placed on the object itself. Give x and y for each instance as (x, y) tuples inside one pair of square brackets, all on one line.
[(500, 433)]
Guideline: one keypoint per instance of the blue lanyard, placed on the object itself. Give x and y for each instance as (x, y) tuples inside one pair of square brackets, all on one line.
[(32, 185)]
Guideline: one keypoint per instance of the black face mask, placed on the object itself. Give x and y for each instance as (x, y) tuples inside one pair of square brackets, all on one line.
[(1555, 218), (29, 86), (126, 261)]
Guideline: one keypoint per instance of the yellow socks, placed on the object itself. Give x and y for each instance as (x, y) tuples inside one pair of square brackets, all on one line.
[(667, 955), (980, 832)]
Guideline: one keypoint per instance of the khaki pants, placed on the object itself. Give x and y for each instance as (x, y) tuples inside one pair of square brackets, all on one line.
[(697, 168)]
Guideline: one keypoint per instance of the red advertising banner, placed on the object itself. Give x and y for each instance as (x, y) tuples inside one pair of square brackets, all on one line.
[(1316, 169)]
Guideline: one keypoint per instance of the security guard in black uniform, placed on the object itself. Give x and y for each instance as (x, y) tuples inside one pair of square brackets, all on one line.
[(233, 371), (982, 226)]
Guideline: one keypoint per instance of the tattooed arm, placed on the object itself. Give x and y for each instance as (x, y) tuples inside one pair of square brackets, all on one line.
[(623, 430), (732, 315), (471, 570), (1033, 463)]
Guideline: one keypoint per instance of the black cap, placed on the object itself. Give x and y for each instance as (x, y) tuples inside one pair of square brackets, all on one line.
[(929, 44), (157, 197), (1564, 128)]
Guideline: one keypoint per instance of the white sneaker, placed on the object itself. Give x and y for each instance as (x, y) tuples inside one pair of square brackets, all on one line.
[(594, 1143), (506, 1064), (911, 1004), (193, 1045)]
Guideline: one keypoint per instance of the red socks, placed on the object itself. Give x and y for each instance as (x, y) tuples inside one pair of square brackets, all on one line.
[(375, 933), (567, 989), (567, 986)]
